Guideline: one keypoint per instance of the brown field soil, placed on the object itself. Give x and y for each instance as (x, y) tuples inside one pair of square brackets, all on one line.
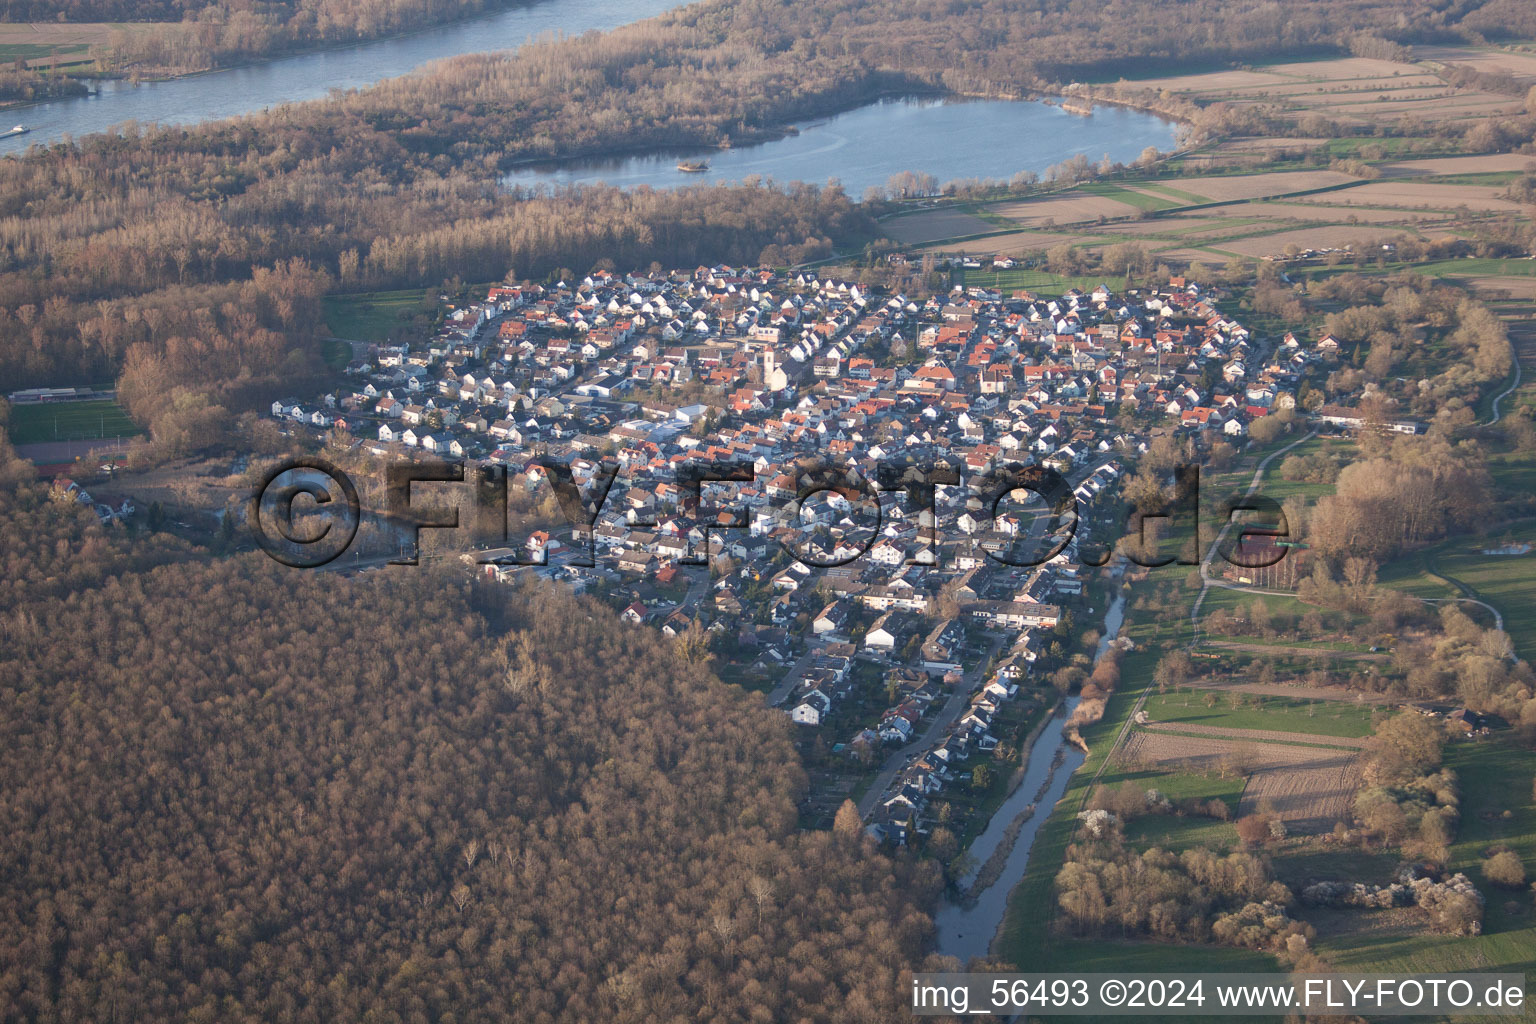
[(1442, 109), (1065, 209), (1309, 787), (1491, 163), (1350, 87), (1345, 68), (1352, 90), (1264, 144), (932, 224), (1223, 732), (1214, 82), (1195, 256), (71, 38), (1513, 287), (1419, 194), (47, 33), (1257, 186), (1521, 65), (1317, 73), (1310, 210), (1172, 225), (1377, 97), (1310, 798), (1015, 242)]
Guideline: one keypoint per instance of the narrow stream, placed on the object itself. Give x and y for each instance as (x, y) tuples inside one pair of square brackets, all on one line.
[(967, 930)]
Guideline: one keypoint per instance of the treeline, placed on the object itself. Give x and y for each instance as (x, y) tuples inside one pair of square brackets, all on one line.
[(234, 793)]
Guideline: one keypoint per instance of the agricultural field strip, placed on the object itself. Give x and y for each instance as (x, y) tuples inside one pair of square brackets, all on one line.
[(1289, 739), (1319, 196), (1309, 786)]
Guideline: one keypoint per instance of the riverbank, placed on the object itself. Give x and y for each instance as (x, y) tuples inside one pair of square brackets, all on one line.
[(89, 36), (967, 929), (974, 883)]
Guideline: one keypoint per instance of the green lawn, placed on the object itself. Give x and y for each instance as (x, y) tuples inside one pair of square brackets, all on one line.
[(1173, 193), (1236, 600), (1307, 863), (1105, 956), (336, 353), (1408, 574), (1137, 200), (1279, 714), (1178, 785), (1391, 146), (1174, 833), (1031, 280), (11, 52), (1508, 582), (69, 421), (1514, 472), (375, 316)]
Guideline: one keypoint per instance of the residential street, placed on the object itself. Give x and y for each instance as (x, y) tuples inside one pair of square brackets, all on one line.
[(947, 716)]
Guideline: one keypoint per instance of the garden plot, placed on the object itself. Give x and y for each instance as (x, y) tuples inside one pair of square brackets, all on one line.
[(1310, 788)]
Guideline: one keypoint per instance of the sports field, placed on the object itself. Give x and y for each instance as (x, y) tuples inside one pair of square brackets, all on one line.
[(69, 421)]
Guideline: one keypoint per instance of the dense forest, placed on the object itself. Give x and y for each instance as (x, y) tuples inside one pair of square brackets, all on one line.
[(292, 796), (397, 184)]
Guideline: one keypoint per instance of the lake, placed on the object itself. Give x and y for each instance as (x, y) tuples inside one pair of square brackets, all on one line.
[(948, 138)]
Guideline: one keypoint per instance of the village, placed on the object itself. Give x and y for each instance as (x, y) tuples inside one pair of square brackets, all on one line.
[(898, 635)]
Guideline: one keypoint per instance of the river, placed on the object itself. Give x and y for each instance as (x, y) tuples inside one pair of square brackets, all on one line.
[(308, 76), (966, 930), (948, 138)]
